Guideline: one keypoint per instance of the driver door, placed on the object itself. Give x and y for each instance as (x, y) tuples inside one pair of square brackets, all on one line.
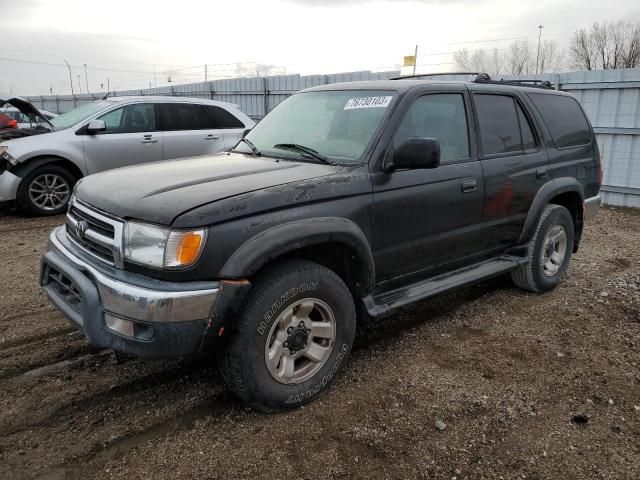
[(428, 218), (130, 138)]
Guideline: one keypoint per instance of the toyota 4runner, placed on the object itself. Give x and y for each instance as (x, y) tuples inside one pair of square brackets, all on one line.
[(344, 203)]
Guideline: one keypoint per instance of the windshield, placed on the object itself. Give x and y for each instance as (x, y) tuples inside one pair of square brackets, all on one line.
[(335, 124), (76, 115)]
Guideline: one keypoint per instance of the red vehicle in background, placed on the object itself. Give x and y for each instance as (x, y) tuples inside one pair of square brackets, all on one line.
[(7, 122)]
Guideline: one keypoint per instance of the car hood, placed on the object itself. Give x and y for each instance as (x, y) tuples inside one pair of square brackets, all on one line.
[(24, 106), (161, 191)]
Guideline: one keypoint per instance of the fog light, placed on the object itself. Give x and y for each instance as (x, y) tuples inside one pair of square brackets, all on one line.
[(119, 325)]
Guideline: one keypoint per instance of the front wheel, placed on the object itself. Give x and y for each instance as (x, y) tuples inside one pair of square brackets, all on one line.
[(46, 191), (293, 335)]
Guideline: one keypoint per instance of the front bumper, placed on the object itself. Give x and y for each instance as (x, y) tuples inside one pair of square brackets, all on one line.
[(169, 319), (9, 184), (591, 207)]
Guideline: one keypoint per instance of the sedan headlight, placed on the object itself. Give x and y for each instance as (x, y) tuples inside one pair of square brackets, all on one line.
[(161, 247), (4, 155)]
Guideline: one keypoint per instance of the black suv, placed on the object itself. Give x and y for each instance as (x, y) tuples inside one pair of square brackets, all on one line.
[(346, 202)]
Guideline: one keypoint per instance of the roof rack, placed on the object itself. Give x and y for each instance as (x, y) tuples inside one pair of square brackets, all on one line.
[(485, 78), (420, 75)]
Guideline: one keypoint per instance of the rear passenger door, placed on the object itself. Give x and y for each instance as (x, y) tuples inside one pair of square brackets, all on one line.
[(189, 131), (226, 123), (514, 163)]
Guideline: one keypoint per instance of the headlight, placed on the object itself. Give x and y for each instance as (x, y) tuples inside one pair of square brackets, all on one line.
[(161, 247), (4, 155)]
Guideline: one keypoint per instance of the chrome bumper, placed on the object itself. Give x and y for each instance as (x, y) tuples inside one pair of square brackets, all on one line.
[(172, 317), (591, 207)]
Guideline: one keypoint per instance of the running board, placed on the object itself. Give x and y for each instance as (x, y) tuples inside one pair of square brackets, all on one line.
[(386, 301)]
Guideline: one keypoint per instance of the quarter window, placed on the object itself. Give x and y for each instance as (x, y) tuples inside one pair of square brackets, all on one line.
[(565, 119), (439, 116), (134, 118), (185, 116), (221, 118)]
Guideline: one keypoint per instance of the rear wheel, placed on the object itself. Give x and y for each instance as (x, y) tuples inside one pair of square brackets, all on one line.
[(293, 335), (46, 191), (549, 252)]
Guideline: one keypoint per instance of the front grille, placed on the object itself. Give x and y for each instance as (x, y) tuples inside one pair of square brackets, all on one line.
[(96, 233), (64, 287)]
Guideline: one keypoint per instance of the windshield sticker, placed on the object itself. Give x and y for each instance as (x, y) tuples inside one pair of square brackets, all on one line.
[(368, 102)]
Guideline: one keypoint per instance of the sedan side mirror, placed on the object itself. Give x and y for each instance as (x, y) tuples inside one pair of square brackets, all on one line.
[(245, 132), (96, 126), (417, 152)]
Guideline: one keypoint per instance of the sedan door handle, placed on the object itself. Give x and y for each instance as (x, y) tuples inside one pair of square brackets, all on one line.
[(469, 186), (211, 137), (149, 140)]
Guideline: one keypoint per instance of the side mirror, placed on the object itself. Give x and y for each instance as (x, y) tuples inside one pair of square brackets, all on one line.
[(96, 126), (417, 152), (246, 131)]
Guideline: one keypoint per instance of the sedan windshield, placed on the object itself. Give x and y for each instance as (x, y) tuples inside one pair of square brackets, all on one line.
[(336, 125), (76, 115)]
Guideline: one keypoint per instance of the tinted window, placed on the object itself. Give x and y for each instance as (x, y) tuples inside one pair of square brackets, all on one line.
[(138, 117), (221, 118), (567, 124), (499, 125), (528, 140), (185, 116), (439, 116)]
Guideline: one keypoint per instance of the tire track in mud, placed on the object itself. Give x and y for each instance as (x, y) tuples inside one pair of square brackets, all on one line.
[(220, 404), (27, 341), (111, 395)]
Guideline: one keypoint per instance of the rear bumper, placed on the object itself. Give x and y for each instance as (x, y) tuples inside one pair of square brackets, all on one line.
[(591, 207), (164, 319)]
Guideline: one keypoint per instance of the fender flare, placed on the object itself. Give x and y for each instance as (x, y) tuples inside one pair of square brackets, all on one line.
[(288, 237), (545, 194)]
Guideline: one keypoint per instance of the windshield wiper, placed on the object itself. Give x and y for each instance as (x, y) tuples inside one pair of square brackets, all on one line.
[(307, 150), (253, 148)]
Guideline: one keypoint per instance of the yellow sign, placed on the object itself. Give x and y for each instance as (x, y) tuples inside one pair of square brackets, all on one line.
[(409, 60)]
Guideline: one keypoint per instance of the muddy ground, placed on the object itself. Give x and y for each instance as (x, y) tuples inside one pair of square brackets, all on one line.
[(521, 386)]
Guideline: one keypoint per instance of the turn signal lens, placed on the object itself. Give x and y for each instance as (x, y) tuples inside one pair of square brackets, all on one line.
[(183, 248)]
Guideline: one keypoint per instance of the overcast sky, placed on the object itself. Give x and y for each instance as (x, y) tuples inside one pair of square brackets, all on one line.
[(126, 41)]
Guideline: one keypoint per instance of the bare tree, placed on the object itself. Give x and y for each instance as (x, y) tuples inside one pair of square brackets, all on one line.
[(607, 46), (520, 58), (551, 57)]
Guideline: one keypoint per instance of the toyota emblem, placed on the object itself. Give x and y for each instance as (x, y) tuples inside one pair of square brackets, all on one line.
[(81, 227)]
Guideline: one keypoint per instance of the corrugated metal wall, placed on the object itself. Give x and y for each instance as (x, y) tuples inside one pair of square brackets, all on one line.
[(611, 99)]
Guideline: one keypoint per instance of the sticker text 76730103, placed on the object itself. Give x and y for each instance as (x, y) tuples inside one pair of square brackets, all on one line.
[(368, 102)]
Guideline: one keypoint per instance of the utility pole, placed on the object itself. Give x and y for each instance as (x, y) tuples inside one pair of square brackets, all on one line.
[(540, 27), (79, 85), (108, 86), (415, 60), (86, 79), (154, 76), (205, 72), (70, 78)]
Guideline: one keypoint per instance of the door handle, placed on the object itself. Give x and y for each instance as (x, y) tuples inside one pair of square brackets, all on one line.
[(149, 140), (542, 173), (211, 137), (469, 186)]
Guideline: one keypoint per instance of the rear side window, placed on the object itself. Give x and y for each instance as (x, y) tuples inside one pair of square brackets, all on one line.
[(504, 128), (564, 118), (221, 118), (184, 116)]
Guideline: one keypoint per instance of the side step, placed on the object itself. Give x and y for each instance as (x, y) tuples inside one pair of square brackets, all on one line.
[(384, 302)]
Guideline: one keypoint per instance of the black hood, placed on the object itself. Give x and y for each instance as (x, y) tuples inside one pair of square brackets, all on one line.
[(161, 191), (24, 106)]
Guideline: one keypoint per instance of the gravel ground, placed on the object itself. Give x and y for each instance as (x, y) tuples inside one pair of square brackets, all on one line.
[(485, 382)]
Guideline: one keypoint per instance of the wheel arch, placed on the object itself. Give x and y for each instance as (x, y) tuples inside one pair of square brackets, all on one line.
[(336, 243), (24, 168), (564, 191)]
